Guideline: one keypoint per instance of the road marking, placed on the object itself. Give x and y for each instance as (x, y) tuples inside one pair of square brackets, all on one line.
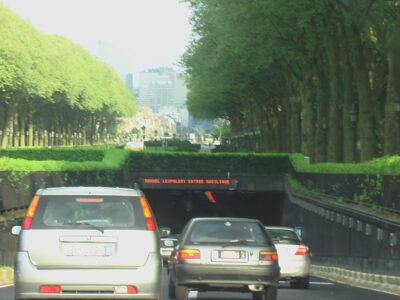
[(193, 294), (6, 285), (321, 283)]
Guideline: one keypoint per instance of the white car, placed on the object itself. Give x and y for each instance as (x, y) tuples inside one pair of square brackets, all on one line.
[(135, 146), (293, 256)]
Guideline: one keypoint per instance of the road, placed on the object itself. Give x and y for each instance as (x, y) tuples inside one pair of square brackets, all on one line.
[(320, 290)]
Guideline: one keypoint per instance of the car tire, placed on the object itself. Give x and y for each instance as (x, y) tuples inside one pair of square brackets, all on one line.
[(171, 289), (300, 283), (271, 293), (181, 292), (258, 295)]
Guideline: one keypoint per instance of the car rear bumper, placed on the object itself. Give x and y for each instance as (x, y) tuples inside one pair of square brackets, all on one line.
[(226, 276), (295, 269), (87, 283)]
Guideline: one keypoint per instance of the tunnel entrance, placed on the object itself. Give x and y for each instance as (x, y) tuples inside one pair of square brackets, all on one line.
[(173, 208)]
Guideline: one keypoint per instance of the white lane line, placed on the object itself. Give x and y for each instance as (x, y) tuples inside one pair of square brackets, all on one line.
[(321, 283), (6, 285), (193, 294)]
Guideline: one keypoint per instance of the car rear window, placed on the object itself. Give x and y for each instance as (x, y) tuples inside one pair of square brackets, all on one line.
[(76, 212), (227, 231), (283, 236)]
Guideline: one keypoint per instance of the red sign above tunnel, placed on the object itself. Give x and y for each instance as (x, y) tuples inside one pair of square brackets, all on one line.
[(188, 183)]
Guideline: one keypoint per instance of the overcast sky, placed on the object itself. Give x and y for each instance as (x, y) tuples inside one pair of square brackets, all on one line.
[(134, 34)]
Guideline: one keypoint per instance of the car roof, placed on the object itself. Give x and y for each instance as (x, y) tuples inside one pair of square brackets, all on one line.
[(89, 190), (280, 227), (224, 219)]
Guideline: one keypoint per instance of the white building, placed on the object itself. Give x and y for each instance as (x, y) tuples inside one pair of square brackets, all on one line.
[(164, 91)]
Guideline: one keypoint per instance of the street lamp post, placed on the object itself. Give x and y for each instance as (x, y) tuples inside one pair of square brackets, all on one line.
[(353, 121)]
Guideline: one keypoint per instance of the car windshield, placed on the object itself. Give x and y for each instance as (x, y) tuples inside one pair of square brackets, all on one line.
[(96, 212), (227, 232), (283, 236)]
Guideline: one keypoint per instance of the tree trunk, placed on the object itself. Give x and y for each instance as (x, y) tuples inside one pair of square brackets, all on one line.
[(334, 150), (391, 123), (366, 127)]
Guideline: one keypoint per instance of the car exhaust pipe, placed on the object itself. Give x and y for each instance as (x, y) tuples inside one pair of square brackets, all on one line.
[(256, 287)]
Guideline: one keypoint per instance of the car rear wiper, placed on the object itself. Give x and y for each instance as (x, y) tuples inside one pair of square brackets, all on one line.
[(86, 224)]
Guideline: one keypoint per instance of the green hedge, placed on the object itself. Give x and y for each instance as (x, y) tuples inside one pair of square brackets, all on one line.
[(388, 165), (65, 154), (208, 162), (173, 145), (112, 160)]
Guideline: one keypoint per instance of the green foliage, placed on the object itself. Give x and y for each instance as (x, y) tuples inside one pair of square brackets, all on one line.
[(371, 191), (55, 85), (384, 165), (295, 68), (66, 154), (173, 145), (204, 162), (114, 159)]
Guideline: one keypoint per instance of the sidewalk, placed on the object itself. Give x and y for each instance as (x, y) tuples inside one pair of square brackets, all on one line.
[(382, 283)]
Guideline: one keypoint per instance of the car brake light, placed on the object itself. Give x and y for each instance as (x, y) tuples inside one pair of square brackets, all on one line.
[(30, 213), (301, 250), (150, 223), (125, 289), (268, 256), (50, 289), (188, 254)]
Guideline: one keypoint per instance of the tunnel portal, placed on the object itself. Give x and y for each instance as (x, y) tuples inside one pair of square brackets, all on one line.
[(173, 208)]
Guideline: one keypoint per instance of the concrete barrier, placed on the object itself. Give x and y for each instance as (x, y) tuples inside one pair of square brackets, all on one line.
[(382, 283), (6, 275)]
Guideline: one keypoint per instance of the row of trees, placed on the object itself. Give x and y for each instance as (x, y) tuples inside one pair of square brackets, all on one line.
[(320, 77), (50, 84)]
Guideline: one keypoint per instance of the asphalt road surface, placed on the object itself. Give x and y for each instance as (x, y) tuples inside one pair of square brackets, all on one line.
[(320, 289)]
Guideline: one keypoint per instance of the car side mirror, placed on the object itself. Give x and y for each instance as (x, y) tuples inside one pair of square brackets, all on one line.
[(164, 231), (15, 230)]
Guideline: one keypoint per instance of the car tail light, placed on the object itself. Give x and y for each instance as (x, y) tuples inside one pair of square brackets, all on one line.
[(150, 223), (126, 289), (268, 255), (302, 250), (50, 289), (188, 254), (30, 213)]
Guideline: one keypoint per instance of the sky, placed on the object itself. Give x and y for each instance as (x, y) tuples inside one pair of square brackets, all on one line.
[(131, 35)]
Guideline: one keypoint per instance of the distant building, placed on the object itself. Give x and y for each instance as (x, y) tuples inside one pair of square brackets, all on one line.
[(164, 91), (129, 81)]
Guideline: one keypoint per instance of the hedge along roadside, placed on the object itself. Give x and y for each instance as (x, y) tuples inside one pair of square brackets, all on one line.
[(113, 159)]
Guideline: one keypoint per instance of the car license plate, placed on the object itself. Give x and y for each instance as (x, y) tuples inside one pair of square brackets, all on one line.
[(229, 254), (87, 249)]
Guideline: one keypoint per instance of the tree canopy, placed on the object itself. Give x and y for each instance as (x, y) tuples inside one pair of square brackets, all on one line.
[(314, 76), (47, 83)]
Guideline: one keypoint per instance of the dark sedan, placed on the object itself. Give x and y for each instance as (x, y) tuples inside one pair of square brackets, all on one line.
[(217, 254)]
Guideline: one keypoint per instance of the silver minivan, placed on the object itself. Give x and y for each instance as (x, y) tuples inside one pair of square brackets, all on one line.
[(88, 243)]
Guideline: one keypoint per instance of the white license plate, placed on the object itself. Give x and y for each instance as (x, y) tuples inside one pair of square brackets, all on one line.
[(226, 254), (87, 249)]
